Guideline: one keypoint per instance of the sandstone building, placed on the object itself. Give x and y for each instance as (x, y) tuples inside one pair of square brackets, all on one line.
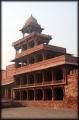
[(42, 74)]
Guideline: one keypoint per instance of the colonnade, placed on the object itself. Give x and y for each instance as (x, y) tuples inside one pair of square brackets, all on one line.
[(49, 93), (41, 77), (32, 59)]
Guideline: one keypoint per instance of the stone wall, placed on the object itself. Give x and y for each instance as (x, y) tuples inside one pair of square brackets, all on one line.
[(70, 97), (71, 89)]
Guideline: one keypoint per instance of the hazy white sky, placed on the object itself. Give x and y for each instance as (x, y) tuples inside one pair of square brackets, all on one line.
[(58, 18)]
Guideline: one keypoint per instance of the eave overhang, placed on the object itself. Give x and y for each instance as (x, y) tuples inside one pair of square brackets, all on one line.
[(53, 62), (39, 48), (30, 37)]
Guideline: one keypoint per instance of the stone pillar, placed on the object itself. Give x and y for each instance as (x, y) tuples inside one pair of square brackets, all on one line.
[(64, 73), (44, 55), (42, 77), (34, 94), (52, 94), (28, 95), (13, 94), (20, 94), (5, 93), (26, 79), (27, 45), (43, 94), (35, 43), (27, 60), (34, 79)]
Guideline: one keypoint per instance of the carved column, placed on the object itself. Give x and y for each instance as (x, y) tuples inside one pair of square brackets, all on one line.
[(20, 94), (27, 79), (44, 55), (13, 94), (43, 94), (34, 94), (34, 78), (64, 73), (27, 60), (5, 93), (43, 76), (52, 94), (27, 45), (26, 93)]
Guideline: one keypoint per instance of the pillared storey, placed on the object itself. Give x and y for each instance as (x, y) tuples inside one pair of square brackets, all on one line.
[(41, 71)]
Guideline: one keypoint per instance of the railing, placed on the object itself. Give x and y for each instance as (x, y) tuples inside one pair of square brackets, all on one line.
[(53, 82)]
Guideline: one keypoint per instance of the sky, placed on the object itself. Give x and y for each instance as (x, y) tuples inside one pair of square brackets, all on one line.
[(59, 19)]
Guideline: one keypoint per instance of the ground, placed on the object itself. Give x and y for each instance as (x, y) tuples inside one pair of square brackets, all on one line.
[(33, 112)]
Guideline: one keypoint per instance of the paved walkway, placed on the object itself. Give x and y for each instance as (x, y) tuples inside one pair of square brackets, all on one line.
[(32, 112)]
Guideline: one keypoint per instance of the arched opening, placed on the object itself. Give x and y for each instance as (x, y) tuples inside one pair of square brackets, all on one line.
[(58, 93), (48, 94), (31, 94), (39, 94)]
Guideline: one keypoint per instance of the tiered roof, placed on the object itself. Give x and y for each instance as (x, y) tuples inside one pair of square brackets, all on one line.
[(31, 25)]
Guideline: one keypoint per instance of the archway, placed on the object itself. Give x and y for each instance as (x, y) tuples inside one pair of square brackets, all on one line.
[(48, 94), (39, 94)]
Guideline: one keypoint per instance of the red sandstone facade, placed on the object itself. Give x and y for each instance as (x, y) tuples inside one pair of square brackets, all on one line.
[(42, 74)]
